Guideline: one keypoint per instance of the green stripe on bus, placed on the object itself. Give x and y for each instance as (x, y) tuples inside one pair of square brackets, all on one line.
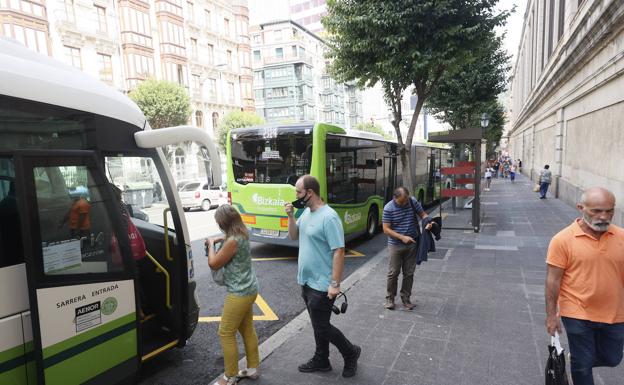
[(86, 336), (241, 210), (11, 354), (356, 205), (94, 361), (78, 349), (12, 363), (15, 376)]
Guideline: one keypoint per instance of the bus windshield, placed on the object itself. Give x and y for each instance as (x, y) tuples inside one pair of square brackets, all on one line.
[(276, 156)]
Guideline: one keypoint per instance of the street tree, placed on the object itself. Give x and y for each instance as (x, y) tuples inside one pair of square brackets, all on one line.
[(405, 44), (375, 128), (236, 119), (494, 132), (464, 94), (164, 104)]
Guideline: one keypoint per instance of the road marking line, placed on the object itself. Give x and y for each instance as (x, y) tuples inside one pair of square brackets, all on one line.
[(267, 313), (353, 254)]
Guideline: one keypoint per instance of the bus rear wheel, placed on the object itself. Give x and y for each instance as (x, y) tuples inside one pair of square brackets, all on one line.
[(372, 222)]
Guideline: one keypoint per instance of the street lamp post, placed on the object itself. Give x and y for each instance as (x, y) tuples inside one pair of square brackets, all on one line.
[(476, 205), (485, 120)]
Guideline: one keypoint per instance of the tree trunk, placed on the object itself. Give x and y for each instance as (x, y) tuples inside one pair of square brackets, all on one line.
[(405, 151), (405, 156)]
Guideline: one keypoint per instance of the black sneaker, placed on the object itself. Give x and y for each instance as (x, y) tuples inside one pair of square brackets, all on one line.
[(350, 365), (315, 366)]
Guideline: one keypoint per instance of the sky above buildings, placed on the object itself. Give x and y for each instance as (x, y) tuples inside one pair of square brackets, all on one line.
[(261, 11)]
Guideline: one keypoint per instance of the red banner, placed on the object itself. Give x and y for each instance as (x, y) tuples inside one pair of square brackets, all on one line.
[(465, 164), (458, 170), (464, 180), (458, 193)]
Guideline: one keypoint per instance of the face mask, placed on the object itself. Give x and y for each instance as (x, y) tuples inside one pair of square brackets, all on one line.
[(300, 203)]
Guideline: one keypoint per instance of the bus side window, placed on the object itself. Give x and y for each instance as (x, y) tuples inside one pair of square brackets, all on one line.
[(341, 178)]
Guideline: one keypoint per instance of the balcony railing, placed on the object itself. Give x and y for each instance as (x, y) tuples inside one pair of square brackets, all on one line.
[(287, 59), (172, 49), (129, 37)]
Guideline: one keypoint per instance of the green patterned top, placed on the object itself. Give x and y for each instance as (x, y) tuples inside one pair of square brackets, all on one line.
[(240, 277)]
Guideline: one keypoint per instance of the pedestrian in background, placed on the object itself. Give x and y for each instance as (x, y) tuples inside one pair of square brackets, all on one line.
[(519, 165), (320, 265), (512, 173), (585, 276), (545, 177), (488, 178), (401, 226), (242, 287)]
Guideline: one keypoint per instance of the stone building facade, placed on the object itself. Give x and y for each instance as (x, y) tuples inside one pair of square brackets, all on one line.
[(567, 104)]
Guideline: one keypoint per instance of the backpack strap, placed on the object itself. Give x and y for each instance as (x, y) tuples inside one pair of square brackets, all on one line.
[(416, 217)]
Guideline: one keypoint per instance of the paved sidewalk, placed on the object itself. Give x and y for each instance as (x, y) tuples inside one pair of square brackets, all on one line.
[(479, 312)]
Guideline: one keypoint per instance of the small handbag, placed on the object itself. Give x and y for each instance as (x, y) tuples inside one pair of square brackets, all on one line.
[(218, 276), (556, 364), (536, 188)]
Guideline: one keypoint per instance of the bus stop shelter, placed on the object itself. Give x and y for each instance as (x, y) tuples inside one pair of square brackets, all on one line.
[(465, 173)]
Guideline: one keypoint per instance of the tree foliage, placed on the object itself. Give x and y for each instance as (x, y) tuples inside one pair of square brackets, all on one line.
[(463, 95), (375, 128), (405, 43), (165, 104), (236, 119), (494, 131)]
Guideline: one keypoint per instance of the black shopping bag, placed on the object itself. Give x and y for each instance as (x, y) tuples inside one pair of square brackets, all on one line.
[(555, 365)]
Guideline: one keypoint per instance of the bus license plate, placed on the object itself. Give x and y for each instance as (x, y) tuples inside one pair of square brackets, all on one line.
[(269, 233)]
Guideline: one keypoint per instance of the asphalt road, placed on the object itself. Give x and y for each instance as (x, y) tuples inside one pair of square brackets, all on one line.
[(276, 267)]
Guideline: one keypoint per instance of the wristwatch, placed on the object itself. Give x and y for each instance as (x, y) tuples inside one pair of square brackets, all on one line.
[(335, 284)]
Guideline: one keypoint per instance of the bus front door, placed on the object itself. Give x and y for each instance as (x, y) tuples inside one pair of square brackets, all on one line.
[(80, 277)]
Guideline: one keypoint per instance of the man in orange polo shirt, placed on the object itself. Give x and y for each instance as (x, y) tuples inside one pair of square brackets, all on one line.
[(585, 276), (78, 217)]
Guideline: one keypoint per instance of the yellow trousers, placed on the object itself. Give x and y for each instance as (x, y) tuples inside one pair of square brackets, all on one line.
[(238, 316)]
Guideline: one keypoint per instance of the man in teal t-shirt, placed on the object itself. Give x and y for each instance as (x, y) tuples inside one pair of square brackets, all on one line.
[(321, 262)]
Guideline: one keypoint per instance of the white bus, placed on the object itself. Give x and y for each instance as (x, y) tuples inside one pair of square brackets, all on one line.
[(75, 307)]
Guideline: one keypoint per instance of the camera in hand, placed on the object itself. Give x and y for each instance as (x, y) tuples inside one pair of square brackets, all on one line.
[(217, 246)]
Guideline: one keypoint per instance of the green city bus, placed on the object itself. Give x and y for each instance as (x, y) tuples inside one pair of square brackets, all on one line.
[(73, 307), (358, 172)]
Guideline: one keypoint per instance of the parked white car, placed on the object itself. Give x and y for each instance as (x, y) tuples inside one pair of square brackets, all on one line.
[(200, 194), (223, 199)]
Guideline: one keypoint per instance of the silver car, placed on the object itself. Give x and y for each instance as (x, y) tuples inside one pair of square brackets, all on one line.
[(200, 194)]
